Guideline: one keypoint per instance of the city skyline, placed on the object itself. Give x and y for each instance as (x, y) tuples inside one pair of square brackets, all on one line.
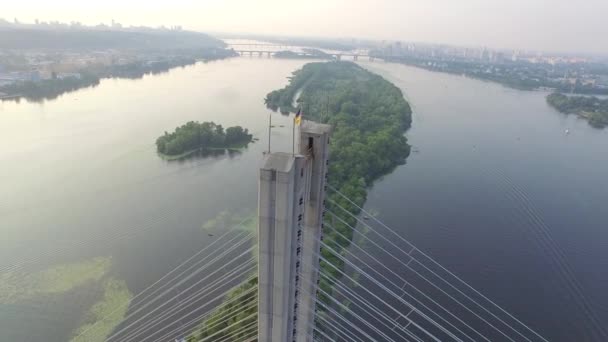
[(539, 25)]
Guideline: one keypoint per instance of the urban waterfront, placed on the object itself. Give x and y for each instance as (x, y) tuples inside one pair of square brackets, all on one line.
[(489, 165)]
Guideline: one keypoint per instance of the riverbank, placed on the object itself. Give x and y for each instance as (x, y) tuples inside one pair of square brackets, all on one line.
[(591, 108), (52, 88), (516, 75)]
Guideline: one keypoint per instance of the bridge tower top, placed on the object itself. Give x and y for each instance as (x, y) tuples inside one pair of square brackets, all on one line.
[(290, 209)]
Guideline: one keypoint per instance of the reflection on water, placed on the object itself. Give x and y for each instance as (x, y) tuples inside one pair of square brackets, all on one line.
[(215, 153)]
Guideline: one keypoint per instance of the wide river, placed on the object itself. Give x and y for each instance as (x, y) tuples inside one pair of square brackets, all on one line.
[(491, 168)]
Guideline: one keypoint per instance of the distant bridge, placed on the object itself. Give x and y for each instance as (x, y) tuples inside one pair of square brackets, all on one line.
[(336, 56), (263, 45), (270, 50)]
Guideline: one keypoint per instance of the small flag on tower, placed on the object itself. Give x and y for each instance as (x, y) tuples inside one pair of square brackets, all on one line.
[(298, 118)]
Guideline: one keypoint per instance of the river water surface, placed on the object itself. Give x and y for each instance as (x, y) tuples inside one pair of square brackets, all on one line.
[(81, 179), (493, 183)]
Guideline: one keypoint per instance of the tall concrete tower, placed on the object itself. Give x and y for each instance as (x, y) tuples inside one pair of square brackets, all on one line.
[(314, 144), (290, 211)]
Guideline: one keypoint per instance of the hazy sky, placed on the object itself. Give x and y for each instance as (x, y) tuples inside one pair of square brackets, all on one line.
[(553, 25)]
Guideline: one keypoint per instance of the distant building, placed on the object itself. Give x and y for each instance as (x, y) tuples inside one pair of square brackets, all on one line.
[(116, 25), (499, 57), (398, 49), (515, 56), (589, 82), (64, 75), (485, 55), (34, 76), (19, 76), (571, 80)]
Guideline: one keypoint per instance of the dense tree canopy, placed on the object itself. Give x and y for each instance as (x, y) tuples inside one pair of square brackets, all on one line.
[(218, 326), (50, 89), (590, 107), (194, 135), (369, 117)]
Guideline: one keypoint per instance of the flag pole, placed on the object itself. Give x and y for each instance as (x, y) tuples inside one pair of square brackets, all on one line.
[(293, 137), (296, 119), (269, 130)]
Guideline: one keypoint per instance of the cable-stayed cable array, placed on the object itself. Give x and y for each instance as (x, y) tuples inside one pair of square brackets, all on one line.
[(383, 288), (177, 303)]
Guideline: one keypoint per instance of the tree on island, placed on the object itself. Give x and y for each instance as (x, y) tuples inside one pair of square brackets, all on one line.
[(194, 135)]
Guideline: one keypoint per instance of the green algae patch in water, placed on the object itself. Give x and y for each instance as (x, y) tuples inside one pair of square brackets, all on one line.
[(106, 314), (17, 286)]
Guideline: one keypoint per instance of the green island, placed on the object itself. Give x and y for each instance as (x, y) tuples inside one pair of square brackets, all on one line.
[(592, 108), (194, 136), (369, 117)]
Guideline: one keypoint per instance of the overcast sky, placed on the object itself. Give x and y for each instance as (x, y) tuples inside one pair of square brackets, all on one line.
[(551, 25)]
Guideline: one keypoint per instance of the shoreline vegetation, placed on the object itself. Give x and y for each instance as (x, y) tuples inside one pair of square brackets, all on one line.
[(591, 108), (54, 87), (369, 116), (193, 137), (206, 151), (74, 57), (517, 76), (212, 327)]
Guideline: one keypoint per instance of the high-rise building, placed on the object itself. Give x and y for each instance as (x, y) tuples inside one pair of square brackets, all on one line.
[(290, 215)]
